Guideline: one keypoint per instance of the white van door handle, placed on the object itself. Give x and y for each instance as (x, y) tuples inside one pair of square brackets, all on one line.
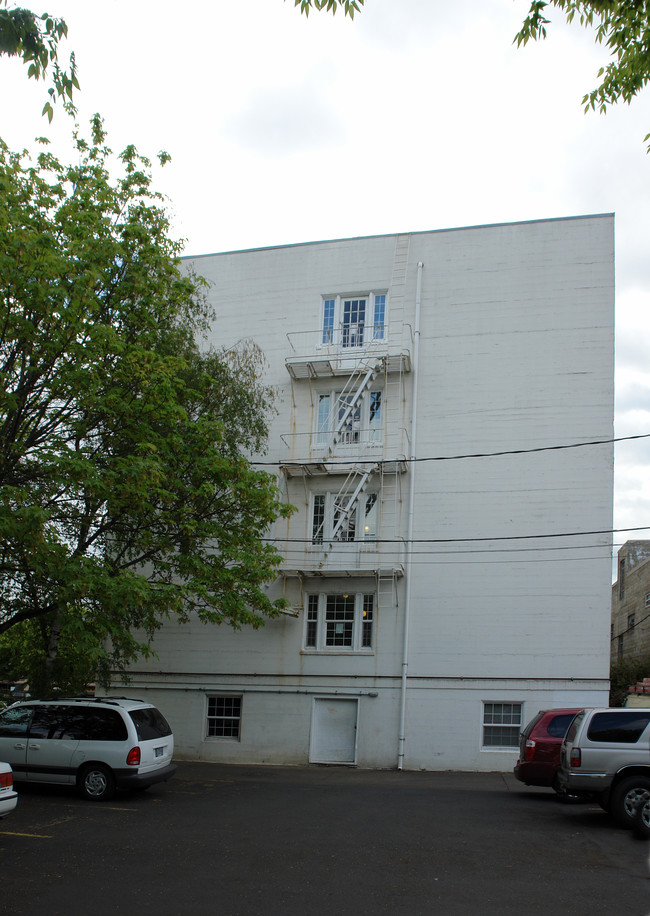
[(19, 747), (34, 747)]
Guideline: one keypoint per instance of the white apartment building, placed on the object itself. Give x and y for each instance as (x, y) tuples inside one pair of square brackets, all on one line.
[(448, 567)]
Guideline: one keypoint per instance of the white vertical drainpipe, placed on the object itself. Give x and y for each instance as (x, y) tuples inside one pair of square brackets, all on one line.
[(409, 550)]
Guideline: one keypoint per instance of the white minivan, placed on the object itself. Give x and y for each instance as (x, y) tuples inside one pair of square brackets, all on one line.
[(98, 744)]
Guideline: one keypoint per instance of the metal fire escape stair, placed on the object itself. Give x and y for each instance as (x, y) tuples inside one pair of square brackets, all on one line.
[(358, 478), (362, 378), (345, 500)]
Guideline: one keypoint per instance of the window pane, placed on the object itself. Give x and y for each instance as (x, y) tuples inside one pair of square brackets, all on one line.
[(318, 520), (348, 527), (367, 621), (312, 621), (379, 317), (374, 420), (328, 321), (224, 714), (498, 736), (370, 517), (501, 724), (354, 318), (351, 419), (339, 620), (323, 419)]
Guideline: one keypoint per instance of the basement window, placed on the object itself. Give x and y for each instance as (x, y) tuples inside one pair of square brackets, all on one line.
[(501, 725), (224, 717)]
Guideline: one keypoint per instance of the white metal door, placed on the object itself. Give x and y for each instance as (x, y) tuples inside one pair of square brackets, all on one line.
[(334, 731)]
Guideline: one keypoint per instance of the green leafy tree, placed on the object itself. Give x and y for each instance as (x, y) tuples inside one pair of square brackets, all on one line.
[(35, 39), (623, 26), (23, 650), (126, 496), (350, 7), (625, 673)]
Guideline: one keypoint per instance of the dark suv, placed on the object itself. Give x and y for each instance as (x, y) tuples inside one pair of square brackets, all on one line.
[(540, 744)]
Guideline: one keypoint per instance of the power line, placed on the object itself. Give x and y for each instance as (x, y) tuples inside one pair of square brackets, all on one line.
[(511, 537), (518, 451)]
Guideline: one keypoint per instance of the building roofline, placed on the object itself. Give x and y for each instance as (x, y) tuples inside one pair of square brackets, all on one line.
[(385, 235)]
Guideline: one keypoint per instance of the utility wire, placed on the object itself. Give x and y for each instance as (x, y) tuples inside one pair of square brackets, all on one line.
[(517, 451), (511, 537)]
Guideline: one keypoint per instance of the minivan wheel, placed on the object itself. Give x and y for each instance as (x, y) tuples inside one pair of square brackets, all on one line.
[(96, 782), (626, 798), (642, 820)]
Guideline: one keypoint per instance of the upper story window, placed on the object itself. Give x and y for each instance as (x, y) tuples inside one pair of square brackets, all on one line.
[(353, 321), (340, 623), (353, 422), (331, 522)]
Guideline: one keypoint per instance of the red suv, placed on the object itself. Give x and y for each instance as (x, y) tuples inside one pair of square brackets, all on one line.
[(540, 744)]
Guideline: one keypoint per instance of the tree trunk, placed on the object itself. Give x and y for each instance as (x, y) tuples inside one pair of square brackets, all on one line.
[(51, 652)]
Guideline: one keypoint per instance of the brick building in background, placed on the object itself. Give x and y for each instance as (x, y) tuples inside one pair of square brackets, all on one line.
[(630, 632)]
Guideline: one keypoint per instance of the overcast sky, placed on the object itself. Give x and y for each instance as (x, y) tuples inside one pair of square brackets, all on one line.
[(419, 115)]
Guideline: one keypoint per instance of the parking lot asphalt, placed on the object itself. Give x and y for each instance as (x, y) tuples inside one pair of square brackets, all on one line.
[(260, 841)]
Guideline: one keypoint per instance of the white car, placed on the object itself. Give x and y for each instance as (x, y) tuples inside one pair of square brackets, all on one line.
[(99, 744), (8, 797)]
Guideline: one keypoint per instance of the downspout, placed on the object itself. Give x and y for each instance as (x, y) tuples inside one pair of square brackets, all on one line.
[(409, 536)]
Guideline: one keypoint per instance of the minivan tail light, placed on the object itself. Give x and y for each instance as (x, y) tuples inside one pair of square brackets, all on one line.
[(6, 780), (575, 758), (133, 757), (529, 751)]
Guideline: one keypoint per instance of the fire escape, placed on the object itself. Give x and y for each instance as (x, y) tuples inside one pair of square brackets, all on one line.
[(351, 455), (357, 373)]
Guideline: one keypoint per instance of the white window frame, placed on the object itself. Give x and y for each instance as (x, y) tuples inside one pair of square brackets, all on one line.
[(505, 709), (321, 631), (360, 428), (224, 717), (323, 518), (336, 331)]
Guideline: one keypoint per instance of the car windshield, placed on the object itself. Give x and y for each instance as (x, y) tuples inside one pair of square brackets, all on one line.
[(150, 723)]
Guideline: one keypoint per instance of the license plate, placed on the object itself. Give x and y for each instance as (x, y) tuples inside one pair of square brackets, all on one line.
[(158, 751)]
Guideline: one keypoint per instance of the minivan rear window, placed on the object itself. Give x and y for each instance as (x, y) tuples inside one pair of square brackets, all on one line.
[(618, 727), (150, 723), (558, 725)]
